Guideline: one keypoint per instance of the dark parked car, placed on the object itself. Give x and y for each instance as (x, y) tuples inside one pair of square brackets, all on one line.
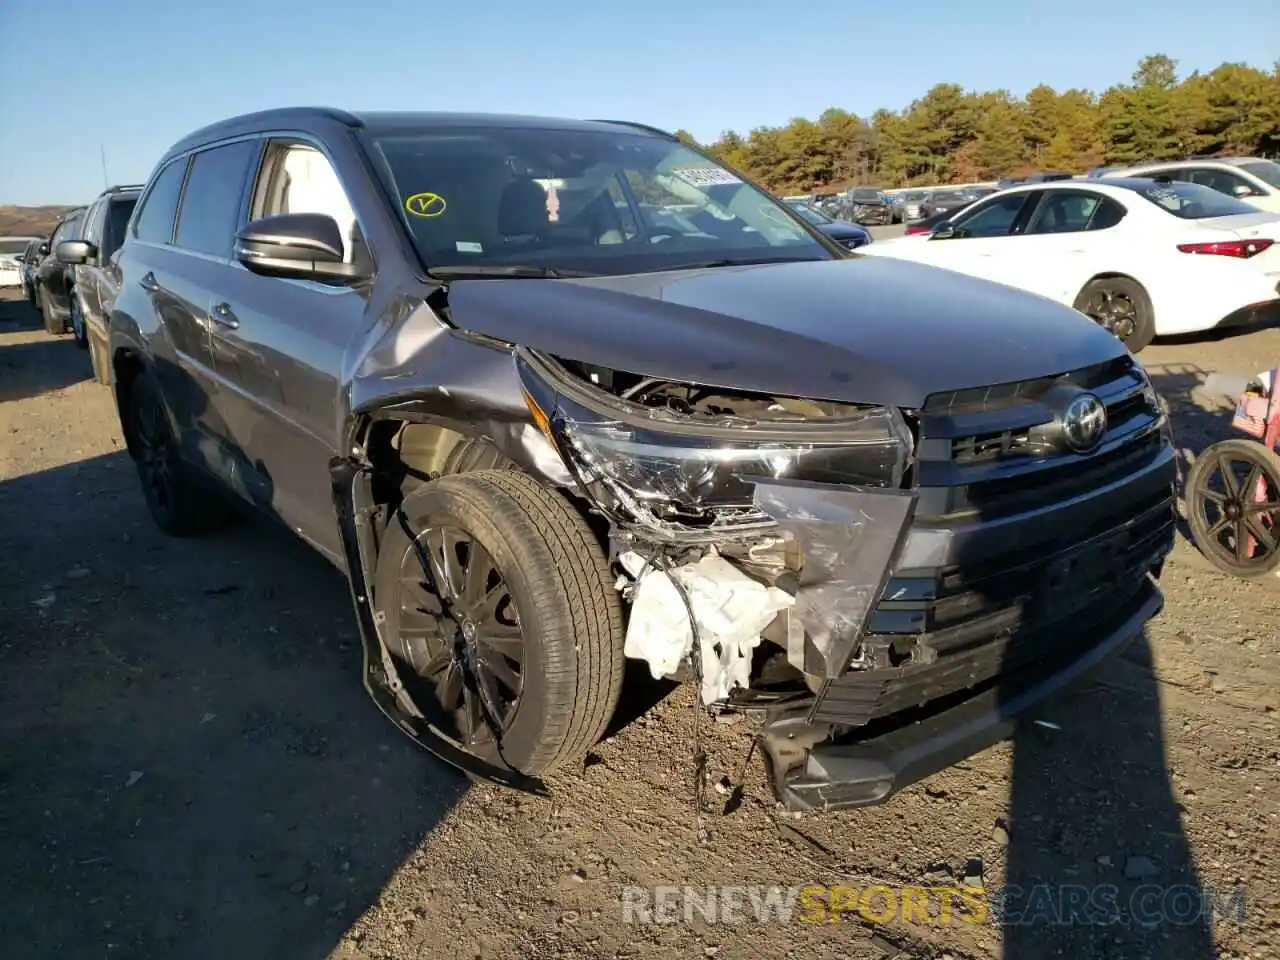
[(931, 223), (95, 274), (540, 433), (28, 260), (53, 278), (848, 235), (869, 205), (943, 201)]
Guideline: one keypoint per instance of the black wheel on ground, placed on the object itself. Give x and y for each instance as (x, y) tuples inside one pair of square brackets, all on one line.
[(78, 328), (499, 609), (52, 324), (179, 502), (1122, 306), (1233, 507)]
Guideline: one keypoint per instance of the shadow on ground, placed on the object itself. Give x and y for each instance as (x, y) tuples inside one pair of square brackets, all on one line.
[(36, 367), (189, 765)]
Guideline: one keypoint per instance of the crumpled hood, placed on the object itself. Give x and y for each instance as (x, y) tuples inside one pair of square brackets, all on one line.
[(862, 330)]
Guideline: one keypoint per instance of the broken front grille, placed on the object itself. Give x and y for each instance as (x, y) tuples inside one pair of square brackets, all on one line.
[(965, 626)]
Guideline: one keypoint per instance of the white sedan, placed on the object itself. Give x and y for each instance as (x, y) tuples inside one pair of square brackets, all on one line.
[(11, 251), (1144, 258)]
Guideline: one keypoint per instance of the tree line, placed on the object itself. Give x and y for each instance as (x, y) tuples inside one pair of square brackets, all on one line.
[(951, 135)]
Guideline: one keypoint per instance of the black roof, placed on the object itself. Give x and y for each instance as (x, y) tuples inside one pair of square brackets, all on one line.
[(384, 122)]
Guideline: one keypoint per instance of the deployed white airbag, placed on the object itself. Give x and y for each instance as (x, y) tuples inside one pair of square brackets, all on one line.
[(730, 610)]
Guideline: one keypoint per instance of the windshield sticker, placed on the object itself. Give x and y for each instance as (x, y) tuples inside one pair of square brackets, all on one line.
[(425, 205), (469, 246), (705, 176)]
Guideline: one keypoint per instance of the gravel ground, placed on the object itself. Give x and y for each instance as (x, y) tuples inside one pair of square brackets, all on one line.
[(189, 767)]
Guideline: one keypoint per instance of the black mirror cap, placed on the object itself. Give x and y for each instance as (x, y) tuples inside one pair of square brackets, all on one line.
[(305, 246), (72, 252), (43, 249)]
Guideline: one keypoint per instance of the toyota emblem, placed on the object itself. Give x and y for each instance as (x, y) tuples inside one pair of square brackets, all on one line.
[(1084, 422)]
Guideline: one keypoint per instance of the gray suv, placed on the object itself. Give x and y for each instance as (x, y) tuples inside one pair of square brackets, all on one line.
[(95, 272), (553, 393)]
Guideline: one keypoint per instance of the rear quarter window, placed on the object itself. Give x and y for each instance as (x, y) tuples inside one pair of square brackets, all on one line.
[(155, 219)]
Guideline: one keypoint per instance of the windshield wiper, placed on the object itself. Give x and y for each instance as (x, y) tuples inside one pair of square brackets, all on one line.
[(739, 262), (498, 271)]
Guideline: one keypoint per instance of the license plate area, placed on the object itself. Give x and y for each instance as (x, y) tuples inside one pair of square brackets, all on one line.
[(1073, 579)]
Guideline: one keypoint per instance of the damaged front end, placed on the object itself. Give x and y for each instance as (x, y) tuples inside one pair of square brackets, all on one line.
[(884, 590), (773, 516)]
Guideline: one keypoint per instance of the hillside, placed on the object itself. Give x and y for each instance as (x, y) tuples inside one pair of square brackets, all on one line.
[(29, 221)]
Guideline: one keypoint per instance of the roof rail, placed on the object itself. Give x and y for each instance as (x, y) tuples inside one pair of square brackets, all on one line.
[(124, 186), (639, 126)]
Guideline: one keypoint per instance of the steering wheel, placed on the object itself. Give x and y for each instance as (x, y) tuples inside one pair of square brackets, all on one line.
[(656, 236)]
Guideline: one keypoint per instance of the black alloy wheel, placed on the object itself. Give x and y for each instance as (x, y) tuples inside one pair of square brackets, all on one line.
[(1233, 507), (1121, 306), (460, 631), (495, 602)]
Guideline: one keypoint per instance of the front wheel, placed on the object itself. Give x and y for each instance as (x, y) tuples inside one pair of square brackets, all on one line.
[(1120, 305), (497, 605), (1233, 507)]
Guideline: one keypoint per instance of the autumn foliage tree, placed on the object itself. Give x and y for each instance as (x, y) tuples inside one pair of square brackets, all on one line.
[(951, 135)]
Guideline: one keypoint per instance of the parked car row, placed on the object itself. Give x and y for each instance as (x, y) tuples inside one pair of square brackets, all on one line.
[(71, 277), (1141, 256), (556, 393)]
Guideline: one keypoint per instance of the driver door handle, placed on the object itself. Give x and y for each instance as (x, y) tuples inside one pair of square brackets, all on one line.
[(222, 315), (148, 283)]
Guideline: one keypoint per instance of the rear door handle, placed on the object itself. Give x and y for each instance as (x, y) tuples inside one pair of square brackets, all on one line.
[(148, 283), (222, 315)]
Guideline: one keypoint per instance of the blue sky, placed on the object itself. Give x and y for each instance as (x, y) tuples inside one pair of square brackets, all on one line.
[(135, 75)]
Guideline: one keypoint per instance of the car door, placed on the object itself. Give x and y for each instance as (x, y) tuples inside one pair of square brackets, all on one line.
[(86, 274), (1069, 237), (211, 206), (981, 240), (108, 273), (279, 346), (161, 292)]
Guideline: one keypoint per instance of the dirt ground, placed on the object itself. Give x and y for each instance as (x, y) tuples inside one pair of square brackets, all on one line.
[(189, 767)]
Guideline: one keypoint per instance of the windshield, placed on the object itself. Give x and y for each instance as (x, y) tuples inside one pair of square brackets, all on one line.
[(866, 195), (574, 201), (812, 214), (1268, 171), (913, 196), (1191, 201), (10, 245), (949, 196)]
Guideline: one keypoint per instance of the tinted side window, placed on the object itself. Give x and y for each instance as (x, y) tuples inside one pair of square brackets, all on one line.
[(1224, 182), (117, 220), (211, 203), (1107, 215), (1063, 211), (93, 223), (995, 218), (155, 221)]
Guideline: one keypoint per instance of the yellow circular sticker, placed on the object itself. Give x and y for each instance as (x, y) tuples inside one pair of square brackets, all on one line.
[(425, 205)]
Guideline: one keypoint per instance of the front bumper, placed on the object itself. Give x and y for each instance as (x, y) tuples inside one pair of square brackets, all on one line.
[(871, 769)]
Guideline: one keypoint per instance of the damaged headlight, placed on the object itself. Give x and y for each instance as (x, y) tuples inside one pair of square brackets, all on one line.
[(660, 466)]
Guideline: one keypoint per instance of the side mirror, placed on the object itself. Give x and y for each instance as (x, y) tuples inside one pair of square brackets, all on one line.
[(1242, 190), (72, 252), (943, 231), (43, 249), (301, 246)]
